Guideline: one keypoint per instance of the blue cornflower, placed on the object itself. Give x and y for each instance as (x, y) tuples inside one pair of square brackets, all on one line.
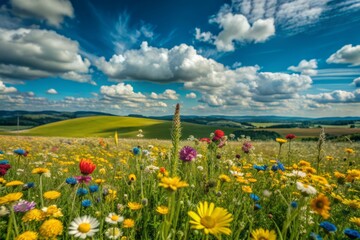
[(71, 181), (254, 197), (260, 168), (328, 226), (351, 233), (1, 152), (315, 236), (136, 151), (21, 152), (280, 165), (82, 191), (274, 168), (257, 206), (294, 204), (28, 185), (93, 188), (3, 162), (86, 203)]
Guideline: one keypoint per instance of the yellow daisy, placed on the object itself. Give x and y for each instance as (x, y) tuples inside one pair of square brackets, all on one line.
[(321, 205), (128, 223), (262, 234), (52, 195), (355, 220), (172, 183), (134, 205), (163, 210), (14, 183), (40, 171)]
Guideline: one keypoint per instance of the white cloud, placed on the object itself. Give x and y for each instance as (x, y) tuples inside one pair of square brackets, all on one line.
[(236, 28), (168, 94), (52, 91), (52, 11), (337, 96), (32, 53), (305, 67), (4, 89), (122, 91), (347, 54), (203, 36), (191, 95), (356, 82)]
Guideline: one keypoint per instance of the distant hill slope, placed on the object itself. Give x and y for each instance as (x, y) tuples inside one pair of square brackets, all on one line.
[(127, 127)]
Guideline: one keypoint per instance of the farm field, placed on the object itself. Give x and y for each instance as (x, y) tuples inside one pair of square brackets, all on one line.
[(162, 189)]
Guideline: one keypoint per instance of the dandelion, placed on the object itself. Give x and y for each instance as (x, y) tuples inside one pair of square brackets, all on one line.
[(33, 215), (28, 235), (52, 211), (52, 195), (213, 220), (40, 170), (113, 233), (14, 183), (83, 227), (246, 189), (134, 206), (113, 218), (51, 228), (11, 197), (128, 223), (187, 154), (224, 178), (172, 183), (163, 210), (262, 234)]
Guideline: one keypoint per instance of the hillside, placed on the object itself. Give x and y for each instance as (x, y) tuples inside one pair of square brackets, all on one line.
[(105, 126)]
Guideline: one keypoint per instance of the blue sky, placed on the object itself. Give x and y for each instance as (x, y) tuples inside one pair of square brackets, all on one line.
[(239, 57)]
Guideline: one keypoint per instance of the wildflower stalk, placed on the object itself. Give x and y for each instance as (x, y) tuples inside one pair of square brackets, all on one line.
[(9, 228), (289, 152), (175, 139), (41, 191), (12, 215)]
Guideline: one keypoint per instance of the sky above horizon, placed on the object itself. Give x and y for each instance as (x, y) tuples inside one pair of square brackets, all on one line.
[(235, 57)]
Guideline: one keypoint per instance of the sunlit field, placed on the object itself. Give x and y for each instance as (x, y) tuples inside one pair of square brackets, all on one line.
[(216, 188)]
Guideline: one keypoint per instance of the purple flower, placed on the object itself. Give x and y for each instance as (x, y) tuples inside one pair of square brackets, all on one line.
[(247, 146), (24, 206), (83, 179), (187, 154)]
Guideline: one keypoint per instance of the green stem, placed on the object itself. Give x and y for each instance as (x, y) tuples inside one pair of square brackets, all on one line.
[(14, 220), (9, 228), (41, 191)]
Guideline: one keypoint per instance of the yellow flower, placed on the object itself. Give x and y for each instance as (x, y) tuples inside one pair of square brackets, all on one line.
[(329, 158), (246, 189), (261, 234), (280, 140), (319, 179), (213, 220), (132, 177), (99, 181), (163, 210), (111, 195), (252, 180), (355, 204), (241, 180), (172, 183), (51, 228), (134, 205), (33, 215), (2, 181), (224, 178), (128, 223), (304, 163), (14, 183), (339, 174), (349, 150), (352, 175), (337, 198), (355, 220), (52, 211), (11, 197), (102, 171), (28, 235), (52, 195), (321, 205), (40, 170)]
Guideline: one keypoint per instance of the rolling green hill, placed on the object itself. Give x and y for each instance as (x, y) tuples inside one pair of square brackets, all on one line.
[(127, 127)]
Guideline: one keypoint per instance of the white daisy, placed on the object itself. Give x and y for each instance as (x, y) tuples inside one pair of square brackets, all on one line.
[(296, 173), (305, 188), (113, 218), (83, 227), (113, 233)]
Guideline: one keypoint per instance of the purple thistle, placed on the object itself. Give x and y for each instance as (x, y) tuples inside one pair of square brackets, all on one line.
[(187, 154), (247, 146), (24, 206), (83, 179)]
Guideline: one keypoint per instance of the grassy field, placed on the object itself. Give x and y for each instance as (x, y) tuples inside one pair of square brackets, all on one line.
[(127, 127), (314, 132)]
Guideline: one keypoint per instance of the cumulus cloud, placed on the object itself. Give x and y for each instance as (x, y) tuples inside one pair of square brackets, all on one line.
[(218, 85), (337, 96), (348, 54), (203, 36), (191, 95), (33, 53), (52, 91), (4, 89), (305, 67), (52, 11), (168, 94), (356, 82)]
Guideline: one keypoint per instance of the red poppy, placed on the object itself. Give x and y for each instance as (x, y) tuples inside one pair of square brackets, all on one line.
[(86, 166), (219, 133), (290, 136), (205, 140), (162, 169)]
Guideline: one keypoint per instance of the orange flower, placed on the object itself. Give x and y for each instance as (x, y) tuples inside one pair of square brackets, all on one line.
[(321, 205), (86, 166)]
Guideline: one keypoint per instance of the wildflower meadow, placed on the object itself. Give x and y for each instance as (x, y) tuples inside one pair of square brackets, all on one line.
[(210, 188)]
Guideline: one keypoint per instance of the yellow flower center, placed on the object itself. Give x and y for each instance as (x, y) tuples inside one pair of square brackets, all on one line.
[(114, 217), (208, 222), (84, 227)]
